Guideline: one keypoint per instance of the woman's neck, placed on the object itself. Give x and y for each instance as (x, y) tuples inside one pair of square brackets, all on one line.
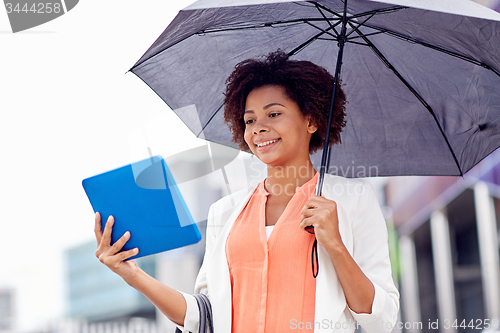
[(284, 179)]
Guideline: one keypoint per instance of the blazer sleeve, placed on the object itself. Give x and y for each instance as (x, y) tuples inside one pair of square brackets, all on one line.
[(192, 318), (371, 253)]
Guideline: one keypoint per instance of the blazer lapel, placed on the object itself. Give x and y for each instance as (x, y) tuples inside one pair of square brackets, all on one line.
[(330, 300)]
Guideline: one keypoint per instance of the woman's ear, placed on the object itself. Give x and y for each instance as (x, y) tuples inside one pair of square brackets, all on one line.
[(311, 125)]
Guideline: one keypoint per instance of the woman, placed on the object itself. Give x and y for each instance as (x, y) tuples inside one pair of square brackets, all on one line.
[(258, 279)]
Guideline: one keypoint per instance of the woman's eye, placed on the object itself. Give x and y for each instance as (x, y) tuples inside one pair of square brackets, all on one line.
[(248, 122), (274, 114)]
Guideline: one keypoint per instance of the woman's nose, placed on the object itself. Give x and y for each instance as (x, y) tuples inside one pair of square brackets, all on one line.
[(260, 126)]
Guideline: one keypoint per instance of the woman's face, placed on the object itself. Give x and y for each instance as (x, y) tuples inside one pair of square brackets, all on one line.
[(275, 129)]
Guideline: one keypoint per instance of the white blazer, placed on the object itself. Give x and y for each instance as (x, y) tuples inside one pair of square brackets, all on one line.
[(364, 233)]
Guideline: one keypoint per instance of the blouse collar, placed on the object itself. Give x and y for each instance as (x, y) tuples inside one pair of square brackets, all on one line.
[(308, 187)]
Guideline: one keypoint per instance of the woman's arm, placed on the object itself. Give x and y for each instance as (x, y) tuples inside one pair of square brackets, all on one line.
[(358, 289), (169, 301)]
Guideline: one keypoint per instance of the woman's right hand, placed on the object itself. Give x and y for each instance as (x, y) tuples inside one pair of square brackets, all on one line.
[(110, 255), (167, 300)]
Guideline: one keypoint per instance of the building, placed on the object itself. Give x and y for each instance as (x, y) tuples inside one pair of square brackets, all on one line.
[(7, 310), (449, 247), (97, 294)]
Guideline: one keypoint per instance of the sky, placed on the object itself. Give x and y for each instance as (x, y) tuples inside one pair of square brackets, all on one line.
[(68, 110)]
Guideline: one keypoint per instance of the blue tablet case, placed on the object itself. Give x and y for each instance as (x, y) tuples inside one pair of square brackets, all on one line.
[(144, 199)]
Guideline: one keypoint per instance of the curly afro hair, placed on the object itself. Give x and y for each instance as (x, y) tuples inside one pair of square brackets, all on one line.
[(305, 83)]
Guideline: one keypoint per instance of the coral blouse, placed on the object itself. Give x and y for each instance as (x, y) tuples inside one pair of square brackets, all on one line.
[(273, 289)]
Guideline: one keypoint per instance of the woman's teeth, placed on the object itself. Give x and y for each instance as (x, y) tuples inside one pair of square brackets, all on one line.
[(262, 144)]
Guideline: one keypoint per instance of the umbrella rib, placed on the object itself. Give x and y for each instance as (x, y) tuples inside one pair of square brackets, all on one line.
[(209, 120), (355, 27), (360, 25), (366, 35), (325, 8), (371, 12), (434, 47), (326, 19), (379, 11), (326, 32), (307, 42), (414, 92), (357, 43), (263, 25)]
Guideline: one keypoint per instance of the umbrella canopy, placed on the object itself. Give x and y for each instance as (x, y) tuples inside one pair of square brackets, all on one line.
[(422, 79)]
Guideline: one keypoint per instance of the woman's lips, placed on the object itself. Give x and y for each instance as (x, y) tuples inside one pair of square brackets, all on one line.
[(268, 146)]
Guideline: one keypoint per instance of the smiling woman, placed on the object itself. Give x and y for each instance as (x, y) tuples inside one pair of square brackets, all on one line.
[(277, 109), (257, 258)]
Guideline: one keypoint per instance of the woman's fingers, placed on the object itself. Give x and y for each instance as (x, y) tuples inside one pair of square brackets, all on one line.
[(317, 203), (97, 228), (125, 255), (310, 205), (306, 222), (112, 261), (106, 236), (119, 243), (317, 211), (308, 213), (111, 255)]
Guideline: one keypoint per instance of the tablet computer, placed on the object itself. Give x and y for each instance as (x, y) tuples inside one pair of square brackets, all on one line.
[(144, 199)]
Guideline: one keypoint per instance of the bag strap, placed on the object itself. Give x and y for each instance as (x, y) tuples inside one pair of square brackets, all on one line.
[(205, 314), (207, 307)]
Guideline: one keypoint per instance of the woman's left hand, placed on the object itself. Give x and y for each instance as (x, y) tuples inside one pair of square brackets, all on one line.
[(321, 213)]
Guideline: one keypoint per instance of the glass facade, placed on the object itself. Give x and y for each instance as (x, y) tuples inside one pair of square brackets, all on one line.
[(426, 276), (471, 209), (96, 293), (6, 310)]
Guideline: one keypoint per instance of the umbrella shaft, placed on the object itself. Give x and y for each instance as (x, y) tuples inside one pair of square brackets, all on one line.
[(326, 149)]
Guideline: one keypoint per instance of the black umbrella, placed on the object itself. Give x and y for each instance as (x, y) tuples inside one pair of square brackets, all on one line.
[(423, 84)]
